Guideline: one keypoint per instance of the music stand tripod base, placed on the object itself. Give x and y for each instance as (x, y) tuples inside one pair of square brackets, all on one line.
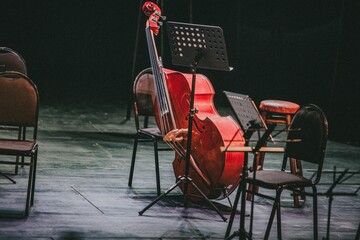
[(8, 178), (194, 46)]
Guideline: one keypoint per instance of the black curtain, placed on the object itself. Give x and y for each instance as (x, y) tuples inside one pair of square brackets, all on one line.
[(305, 51)]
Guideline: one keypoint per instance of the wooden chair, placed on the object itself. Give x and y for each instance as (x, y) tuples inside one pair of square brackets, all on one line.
[(143, 96), (310, 126), (19, 108)]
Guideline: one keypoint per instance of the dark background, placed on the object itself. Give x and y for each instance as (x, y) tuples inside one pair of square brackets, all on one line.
[(305, 51)]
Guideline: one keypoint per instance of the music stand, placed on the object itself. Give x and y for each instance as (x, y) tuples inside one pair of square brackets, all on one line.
[(245, 111), (250, 121), (194, 46)]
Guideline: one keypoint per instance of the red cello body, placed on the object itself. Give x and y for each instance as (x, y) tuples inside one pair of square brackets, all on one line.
[(216, 173)]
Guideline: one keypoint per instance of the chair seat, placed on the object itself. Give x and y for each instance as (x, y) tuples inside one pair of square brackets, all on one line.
[(151, 132), (16, 147), (273, 179), (279, 106)]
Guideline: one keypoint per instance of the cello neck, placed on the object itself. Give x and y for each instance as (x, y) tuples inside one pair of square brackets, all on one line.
[(157, 69), (166, 117)]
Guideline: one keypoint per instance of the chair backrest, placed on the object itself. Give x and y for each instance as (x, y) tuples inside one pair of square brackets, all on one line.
[(10, 60), (19, 101), (310, 126), (144, 97)]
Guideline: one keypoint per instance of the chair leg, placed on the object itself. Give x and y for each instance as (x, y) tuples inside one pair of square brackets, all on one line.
[(133, 160), (28, 194), (259, 166), (276, 207), (293, 170), (300, 172), (296, 168), (278, 213), (17, 157), (23, 138), (315, 215), (22, 162), (17, 165), (33, 180), (157, 172)]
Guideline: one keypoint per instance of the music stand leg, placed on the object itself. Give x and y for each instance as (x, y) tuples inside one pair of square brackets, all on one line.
[(184, 180), (233, 213), (171, 188), (241, 232), (8, 178), (208, 200), (328, 219)]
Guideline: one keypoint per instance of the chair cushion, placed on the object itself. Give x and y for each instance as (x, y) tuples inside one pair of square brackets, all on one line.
[(279, 106), (273, 179), (17, 147), (151, 132)]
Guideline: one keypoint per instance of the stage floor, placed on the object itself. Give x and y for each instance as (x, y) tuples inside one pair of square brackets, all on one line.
[(82, 193)]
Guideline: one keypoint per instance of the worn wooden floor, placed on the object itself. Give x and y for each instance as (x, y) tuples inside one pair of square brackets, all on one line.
[(82, 192)]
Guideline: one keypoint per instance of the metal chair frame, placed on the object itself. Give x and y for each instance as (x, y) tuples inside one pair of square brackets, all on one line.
[(143, 107), (310, 125), (19, 108), (10, 60)]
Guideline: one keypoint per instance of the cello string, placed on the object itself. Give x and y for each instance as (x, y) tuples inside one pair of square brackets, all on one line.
[(153, 61), (160, 89), (177, 148), (160, 85), (152, 52)]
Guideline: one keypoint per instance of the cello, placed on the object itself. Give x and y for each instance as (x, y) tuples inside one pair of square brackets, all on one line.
[(215, 173)]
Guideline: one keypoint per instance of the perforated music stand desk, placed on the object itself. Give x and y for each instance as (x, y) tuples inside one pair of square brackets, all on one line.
[(194, 46), (246, 113), (245, 110), (192, 42)]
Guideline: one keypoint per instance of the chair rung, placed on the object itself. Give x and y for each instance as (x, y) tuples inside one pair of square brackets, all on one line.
[(260, 195), (164, 149), (14, 163)]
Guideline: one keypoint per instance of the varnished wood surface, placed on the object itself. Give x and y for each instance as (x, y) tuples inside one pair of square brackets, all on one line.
[(82, 192), (251, 149)]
